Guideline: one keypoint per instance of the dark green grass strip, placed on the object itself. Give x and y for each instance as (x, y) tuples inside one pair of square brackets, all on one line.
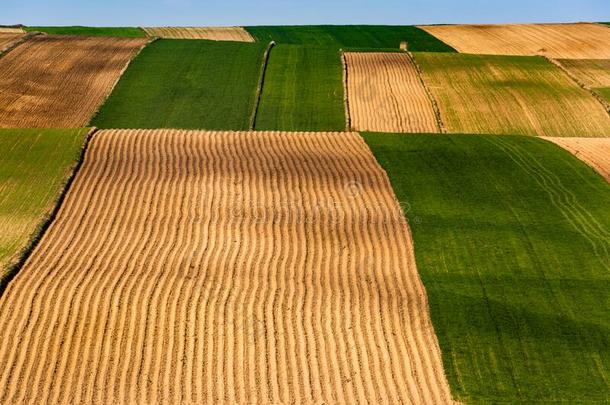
[(186, 84), (131, 32), (303, 90), (351, 37), (512, 239), (37, 167)]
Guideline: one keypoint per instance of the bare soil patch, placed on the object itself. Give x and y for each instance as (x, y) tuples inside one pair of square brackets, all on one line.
[(192, 267), (570, 41), (211, 33), (67, 79), (386, 94), (593, 151)]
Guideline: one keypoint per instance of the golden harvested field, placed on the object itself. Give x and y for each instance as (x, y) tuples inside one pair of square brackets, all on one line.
[(593, 151), (510, 95), (386, 94), (7, 40), (570, 41), (11, 30), (211, 33), (67, 79), (193, 267)]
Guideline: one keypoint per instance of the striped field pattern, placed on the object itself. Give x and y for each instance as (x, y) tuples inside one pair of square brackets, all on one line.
[(386, 94), (211, 33), (8, 39), (201, 267)]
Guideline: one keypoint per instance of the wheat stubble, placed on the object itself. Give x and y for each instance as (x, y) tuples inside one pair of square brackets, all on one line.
[(386, 94), (211, 33), (222, 267), (67, 79), (593, 151), (7, 40), (569, 41)]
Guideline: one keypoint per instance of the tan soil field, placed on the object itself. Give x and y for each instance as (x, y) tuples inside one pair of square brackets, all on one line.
[(202, 267), (7, 40), (11, 30), (510, 95), (570, 41), (212, 33), (67, 79), (386, 94), (593, 151)]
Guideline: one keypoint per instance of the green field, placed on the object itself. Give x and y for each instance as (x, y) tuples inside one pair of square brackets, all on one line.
[(351, 36), (34, 166), (132, 32), (303, 90), (512, 239), (604, 93), (186, 84), (518, 95)]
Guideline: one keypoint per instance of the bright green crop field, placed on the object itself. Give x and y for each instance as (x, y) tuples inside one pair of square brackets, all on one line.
[(512, 240), (34, 166), (303, 90), (351, 36), (187, 84), (132, 32)]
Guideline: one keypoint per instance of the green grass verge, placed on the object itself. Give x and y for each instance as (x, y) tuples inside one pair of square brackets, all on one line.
[(351, 36), (186, 84), (303, 90), (131, 32), (34, 167), (512, 240), (604, 93)]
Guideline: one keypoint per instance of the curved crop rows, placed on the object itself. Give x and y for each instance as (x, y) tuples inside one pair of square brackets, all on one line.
[(192, 267), (211, 33), (569, 41), (386, 94), (67, 79), (593, 151)]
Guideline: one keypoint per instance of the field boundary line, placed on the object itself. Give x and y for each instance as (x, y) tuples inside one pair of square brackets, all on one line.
[(578, 82), (437, 111), (348, 118), (261, 83), (119, 77), (47, 219), (20, 41)]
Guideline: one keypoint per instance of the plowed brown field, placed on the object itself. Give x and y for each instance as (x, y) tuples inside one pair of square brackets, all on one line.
[(570, 41), (593, 151), (67, 79), (211, 33), (7, 40), (192, 267), (386, 94)]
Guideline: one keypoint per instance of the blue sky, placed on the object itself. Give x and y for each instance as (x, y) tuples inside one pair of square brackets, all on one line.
[(260, 12)]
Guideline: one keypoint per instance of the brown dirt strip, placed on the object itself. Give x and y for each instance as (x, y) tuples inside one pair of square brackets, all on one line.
[(67, 79), (593, 151), (194, 267), (8, 40), (212, 33), (386, 94), (569, 41)]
